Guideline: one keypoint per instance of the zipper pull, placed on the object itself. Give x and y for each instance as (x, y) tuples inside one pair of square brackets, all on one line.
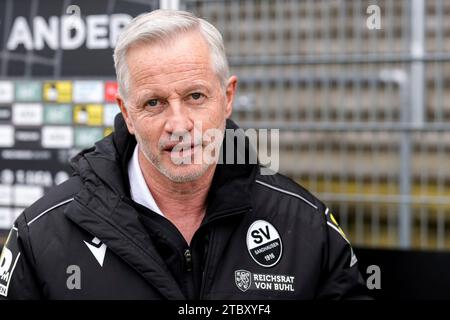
[(188, 259)]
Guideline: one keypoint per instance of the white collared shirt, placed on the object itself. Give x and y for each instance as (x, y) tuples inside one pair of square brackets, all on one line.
[(139, 191)]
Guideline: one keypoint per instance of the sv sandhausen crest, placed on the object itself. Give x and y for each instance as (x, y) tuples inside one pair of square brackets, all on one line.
[(264, 243), (243, 279)]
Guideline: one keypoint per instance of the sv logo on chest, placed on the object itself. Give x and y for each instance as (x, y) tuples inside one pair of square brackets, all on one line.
[(264, 243), (260, 235)]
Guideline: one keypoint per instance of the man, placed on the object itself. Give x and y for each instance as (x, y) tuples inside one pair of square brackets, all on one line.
[(140, 219)]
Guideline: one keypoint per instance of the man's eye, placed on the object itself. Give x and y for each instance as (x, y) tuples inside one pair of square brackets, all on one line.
[(196, 95), (152, 102), (196, 98)]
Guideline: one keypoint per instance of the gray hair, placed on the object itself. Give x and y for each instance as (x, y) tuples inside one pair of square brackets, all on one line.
[(160, 26)]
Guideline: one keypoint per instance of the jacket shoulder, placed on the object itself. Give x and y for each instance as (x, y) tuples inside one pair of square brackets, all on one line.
[(56, 197), (280, 186)]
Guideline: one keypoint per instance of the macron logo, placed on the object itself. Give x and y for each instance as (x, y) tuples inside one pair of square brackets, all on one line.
[(98, 249)]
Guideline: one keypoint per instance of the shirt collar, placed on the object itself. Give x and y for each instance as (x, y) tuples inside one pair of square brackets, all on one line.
[(139, 190)]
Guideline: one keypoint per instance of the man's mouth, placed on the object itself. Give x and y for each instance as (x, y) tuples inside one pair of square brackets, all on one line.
[(182, 153), (179, 147)]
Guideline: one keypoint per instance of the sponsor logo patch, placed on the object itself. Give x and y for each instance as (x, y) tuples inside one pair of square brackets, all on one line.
[(28, 91), (57, 137), (88, 91), (58, 114), (245, 280), (264, 243), (98, 249), (110, 91), (27, 114), (90, 114), (58, 91)]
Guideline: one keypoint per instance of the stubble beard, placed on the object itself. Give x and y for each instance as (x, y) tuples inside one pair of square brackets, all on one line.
[(173, 173)]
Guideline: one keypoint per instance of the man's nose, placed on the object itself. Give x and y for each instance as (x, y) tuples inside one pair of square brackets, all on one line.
[(178, 120)]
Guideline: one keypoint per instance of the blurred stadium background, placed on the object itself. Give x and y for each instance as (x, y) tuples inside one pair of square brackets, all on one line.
[(363, 113)]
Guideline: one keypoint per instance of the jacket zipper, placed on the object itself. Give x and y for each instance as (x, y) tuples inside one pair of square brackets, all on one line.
[(188, 260), (211, 246), (206, 266)]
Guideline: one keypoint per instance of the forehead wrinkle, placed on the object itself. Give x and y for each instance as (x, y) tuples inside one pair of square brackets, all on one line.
[(167, 64), (174, 69), (143, 81), (148, 72)]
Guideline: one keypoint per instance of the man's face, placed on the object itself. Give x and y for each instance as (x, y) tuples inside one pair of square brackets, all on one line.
[(174, 92)]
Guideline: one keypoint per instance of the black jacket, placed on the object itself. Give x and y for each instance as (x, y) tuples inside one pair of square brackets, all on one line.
[(263, 237)]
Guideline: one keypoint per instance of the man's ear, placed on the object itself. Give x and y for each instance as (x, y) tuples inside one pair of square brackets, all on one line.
[(123, 109), (230, 92)]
